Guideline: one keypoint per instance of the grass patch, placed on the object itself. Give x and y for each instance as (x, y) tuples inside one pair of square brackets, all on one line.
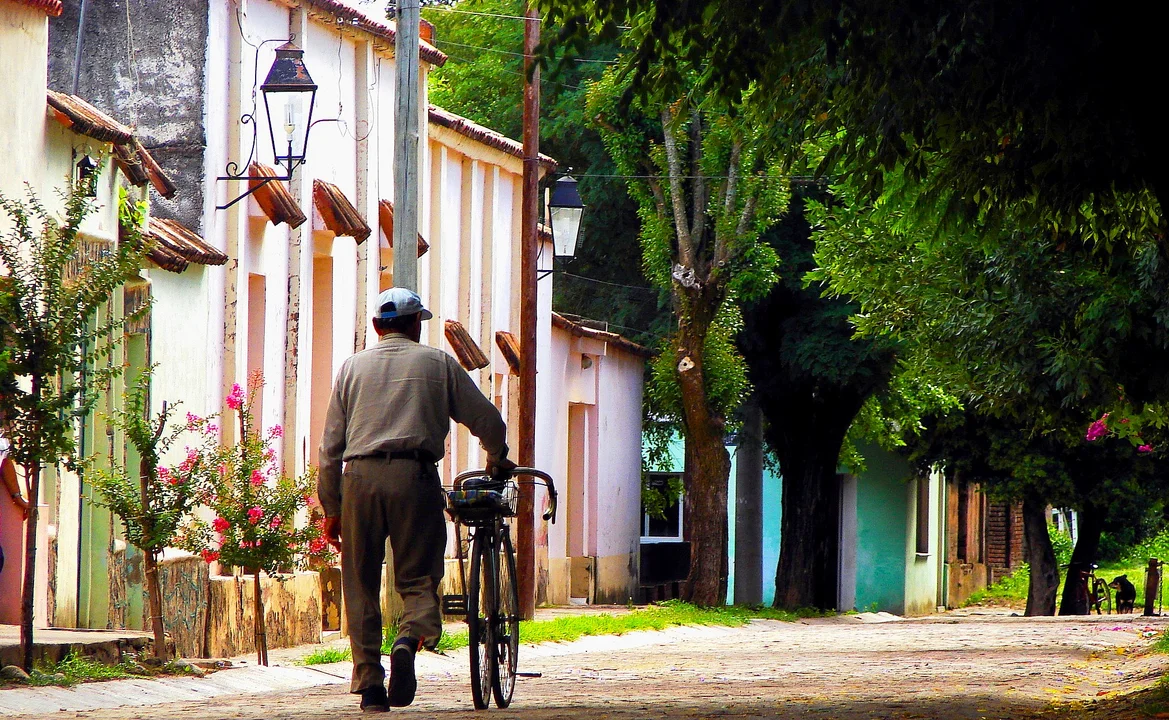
[(574, 627), (1010, 591), (74, 669), (1161, 645), (324, 656)]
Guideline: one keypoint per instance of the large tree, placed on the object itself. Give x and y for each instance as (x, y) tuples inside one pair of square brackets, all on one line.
[(812, 377), (705, 191), (1044, 104), (1035, 334)]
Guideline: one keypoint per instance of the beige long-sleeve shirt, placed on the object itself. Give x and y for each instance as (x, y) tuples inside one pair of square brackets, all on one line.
[(400, 395)]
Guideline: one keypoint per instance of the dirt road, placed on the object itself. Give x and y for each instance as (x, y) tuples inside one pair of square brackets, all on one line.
[(953, 667)]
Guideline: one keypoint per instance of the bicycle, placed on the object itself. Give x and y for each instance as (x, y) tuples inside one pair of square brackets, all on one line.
[(490, 598), (1095, 590)]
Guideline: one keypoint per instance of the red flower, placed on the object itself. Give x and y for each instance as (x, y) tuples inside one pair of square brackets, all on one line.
[(220, 525), (255, 515), (1145, 449), (210, 555), (317, 546), (257, 478)]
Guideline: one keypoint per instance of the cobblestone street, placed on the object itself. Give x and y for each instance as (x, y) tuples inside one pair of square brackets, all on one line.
[(954, 667)]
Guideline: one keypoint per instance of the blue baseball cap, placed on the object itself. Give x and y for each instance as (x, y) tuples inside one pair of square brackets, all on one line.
[(399, 302)]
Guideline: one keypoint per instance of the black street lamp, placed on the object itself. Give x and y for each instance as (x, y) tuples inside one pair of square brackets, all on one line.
[(284, 89), (565, 210), (287, 89)]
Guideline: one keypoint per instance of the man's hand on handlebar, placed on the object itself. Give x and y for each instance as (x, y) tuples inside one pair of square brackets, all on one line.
[(500, 467)]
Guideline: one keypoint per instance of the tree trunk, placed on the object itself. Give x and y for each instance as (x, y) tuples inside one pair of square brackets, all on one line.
[(706, 491), (806, 428), (1090, 526), (32, 478), (154, 596), (150, 561), (260, 624), (1040, 556)]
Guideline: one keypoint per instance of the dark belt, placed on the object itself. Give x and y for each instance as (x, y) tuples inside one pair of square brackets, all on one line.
[(419, 455)]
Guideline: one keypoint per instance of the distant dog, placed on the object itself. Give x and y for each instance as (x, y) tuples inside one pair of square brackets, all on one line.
[(1126, 594)]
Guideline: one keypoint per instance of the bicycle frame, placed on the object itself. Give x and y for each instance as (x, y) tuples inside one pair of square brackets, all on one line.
[(490, 542)]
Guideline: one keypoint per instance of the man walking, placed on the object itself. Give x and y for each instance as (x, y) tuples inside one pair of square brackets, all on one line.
[(388, 420)]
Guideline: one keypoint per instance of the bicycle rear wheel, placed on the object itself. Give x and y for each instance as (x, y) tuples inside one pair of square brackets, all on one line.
[(1103, 597), (507, 626), (480, 609)]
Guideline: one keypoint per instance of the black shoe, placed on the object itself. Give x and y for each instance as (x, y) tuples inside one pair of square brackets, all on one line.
[(373, 699), (403, 684)]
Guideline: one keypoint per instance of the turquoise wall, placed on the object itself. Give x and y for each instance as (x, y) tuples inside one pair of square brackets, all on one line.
[(883, 517)]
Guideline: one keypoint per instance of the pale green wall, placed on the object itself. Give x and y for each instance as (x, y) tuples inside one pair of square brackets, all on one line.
[(889, 571), (882, 509)]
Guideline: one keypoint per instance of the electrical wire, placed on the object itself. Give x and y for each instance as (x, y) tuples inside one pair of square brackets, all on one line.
[(612, 284)]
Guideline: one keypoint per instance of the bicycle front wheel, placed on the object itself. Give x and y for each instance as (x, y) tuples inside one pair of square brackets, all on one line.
[(507, 625), (480, 609)]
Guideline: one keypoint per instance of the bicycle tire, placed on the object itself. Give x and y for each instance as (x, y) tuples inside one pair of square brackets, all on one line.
[(480, 630), (507, 633), (1103, 596)]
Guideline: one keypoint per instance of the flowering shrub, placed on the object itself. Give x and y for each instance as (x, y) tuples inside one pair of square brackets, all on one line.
[(1127, 424), (254, 506)]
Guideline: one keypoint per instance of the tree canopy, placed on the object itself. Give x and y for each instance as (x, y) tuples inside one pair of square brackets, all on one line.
[(1043, 106)]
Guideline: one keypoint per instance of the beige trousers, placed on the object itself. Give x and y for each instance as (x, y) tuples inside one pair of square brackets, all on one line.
[(401, 500)]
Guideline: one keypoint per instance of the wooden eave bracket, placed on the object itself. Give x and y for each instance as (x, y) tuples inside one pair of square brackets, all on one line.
[(466, 349)]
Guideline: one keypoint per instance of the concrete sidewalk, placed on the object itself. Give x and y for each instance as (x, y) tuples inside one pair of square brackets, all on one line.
[(243, 677), (55, 643)]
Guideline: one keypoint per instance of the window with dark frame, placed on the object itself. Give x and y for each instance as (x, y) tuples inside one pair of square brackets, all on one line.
[(963, 521), (665, 529), (923, 515)]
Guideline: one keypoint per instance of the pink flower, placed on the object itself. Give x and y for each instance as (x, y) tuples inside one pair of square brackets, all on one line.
[(165, 476), (317, 546), (1145, 449), (1124, 421), (220, 525), (222, 469), (212, 429), (255, 515), (1097, 430), (236, 399), (210, 556), (192, 457), (276, 522), (309, 501), (269, 454), (257, 478), (193, 421), (277, 431)]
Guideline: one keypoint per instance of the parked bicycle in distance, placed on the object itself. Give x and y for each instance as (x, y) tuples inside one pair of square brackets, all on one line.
[(490, 599), (1094, 590)]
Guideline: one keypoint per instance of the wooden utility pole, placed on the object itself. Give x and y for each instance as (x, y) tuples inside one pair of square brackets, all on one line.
[(406, 146), (526, 525)]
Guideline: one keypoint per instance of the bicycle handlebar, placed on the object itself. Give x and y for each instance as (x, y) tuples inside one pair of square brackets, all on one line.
[(550, 515)]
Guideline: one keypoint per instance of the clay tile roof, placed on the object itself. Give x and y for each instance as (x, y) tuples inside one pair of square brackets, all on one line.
[(612, 338), (385, 211), (338, 213), (485, 135), (385, 30), (175, 246), (133, 159), (274, 198), (465, 347), (509, 347), (52, 8), (83, 118)]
